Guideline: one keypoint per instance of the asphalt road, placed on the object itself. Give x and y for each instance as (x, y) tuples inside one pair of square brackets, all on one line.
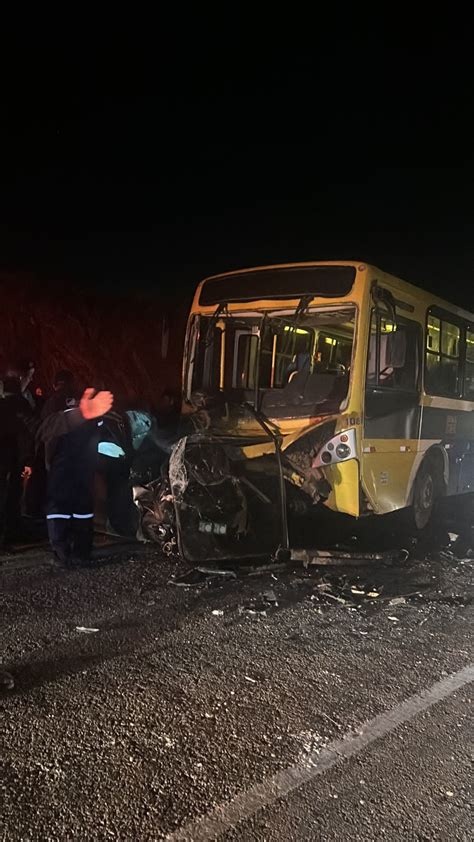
[(151, 726)]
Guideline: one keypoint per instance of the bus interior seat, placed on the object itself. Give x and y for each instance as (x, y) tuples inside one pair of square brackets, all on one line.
[(303, 388), (319, 387), (340, 388), (300, 362)]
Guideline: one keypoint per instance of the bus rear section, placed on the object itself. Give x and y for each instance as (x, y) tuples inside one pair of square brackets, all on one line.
[(418, 438)]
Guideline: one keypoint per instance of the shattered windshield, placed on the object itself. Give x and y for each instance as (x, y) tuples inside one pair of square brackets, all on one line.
[(289, 363)]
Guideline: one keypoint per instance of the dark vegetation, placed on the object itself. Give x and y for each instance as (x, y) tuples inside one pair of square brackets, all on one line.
[(131, 345)]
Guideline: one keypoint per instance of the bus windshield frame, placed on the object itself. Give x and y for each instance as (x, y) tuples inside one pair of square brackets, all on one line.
[(287, 364)]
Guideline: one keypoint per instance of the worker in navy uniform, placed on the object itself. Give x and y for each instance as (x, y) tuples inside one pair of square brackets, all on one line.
[(71, 441)]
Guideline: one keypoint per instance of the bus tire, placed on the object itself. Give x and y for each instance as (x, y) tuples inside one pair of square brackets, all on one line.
[(427, 490)]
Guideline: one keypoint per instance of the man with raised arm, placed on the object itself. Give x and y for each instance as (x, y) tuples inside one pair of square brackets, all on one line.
[(70, 439)]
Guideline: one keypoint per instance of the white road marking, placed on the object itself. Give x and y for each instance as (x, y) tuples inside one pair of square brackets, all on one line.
[(248, 802)]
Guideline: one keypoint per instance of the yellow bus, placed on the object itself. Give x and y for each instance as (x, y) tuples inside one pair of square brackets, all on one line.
[(357, 387)]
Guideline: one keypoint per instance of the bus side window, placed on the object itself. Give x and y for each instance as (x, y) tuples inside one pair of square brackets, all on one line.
[(469, 369), (206, 370), (443, 345), (245, 360), (398, 354)]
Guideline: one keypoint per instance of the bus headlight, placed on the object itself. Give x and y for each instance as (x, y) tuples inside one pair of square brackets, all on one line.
[(343, 451), (338, 449)]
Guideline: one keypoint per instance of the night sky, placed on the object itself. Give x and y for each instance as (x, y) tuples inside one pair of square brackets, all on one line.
[(126, 167)]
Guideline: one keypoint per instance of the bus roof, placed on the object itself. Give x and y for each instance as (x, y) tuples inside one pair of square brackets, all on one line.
[(374, 272)]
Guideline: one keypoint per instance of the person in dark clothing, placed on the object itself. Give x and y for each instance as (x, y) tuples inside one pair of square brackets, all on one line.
[(24, 371), (65, 394), (70, 438), (169, 409), (40, 399), (17, 426)]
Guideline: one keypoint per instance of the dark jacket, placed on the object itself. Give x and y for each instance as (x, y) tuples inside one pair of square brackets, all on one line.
[(64, 398), (17, 431), (58, 424)]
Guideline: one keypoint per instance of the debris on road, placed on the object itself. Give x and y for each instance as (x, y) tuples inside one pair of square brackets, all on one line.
[(340, 589), (201, 577), (322, 586), (86, 630), (164, 687), (213, 571), (7, 682), (191, 579), (261, 569), (344, 558), (339, 599), (256, 611), (258, 605)]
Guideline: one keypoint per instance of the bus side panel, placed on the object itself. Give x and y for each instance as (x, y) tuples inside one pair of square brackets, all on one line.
[(454, 430), (389, 451), (344, 479), (389, 465), (387, 473)]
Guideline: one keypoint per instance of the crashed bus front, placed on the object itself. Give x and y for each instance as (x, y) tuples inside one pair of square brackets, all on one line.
[(316, 394), (271, 378)]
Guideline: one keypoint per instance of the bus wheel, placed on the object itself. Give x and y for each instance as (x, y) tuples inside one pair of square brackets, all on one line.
[(425, 492)]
